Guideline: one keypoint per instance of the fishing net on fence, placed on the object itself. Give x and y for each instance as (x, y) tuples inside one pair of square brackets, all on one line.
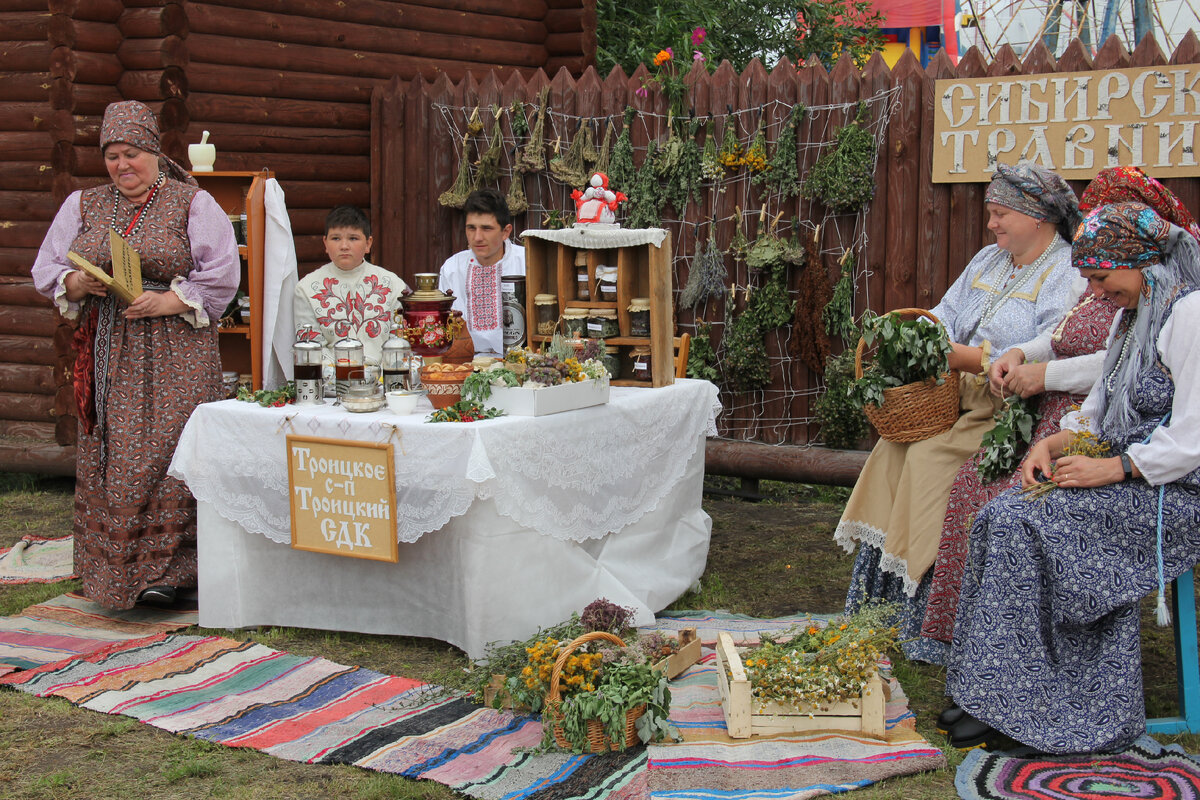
[(721, 208)]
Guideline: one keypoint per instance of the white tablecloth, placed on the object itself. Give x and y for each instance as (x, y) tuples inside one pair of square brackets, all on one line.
[(505, 524)]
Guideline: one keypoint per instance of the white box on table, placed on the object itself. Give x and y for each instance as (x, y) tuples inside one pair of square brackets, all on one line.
[(522, 402)]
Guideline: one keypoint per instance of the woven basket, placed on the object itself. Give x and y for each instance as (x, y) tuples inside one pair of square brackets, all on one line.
[(914, 411), (445, 388), (597, 742)]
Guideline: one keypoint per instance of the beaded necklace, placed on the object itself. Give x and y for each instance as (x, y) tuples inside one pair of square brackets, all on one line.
[(1024, 275), (1062, 326), (1110, 380), (139, 216)]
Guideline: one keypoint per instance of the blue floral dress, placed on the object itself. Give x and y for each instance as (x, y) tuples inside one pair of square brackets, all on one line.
[(1047, 643)]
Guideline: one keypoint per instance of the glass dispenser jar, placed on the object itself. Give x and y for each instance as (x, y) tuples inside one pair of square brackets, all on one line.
[(306, 367), (396, 358), (347, 358)]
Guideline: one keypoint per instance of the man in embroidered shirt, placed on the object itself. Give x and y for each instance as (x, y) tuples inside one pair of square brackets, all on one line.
[(349, 296), (473, 275)]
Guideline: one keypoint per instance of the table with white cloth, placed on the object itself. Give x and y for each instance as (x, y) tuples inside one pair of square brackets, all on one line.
[(505, 525)]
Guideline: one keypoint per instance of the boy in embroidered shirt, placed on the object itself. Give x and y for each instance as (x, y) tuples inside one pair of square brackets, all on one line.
[(349, 296), (473, 275)]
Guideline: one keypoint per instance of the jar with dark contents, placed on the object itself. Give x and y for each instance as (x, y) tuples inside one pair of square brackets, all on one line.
[(606, 283), (639, 316), (575, 322), (602, 324), (640, 357), (582, 284), (545, 307)]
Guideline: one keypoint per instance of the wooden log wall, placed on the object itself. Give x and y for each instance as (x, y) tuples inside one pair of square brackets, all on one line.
[(279, 84), (921, 234)]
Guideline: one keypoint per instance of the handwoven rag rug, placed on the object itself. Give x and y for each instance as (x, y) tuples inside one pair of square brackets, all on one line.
[(71, 625), (311, 710), (37, 560), (1147, 771), (709, 763)]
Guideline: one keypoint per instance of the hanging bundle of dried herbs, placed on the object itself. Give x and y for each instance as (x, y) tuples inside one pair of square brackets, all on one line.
[(590, 154), (756, 157), (707, 276), (783, 176), (520, 124), (769, 254), (475, 124), (569, 167), (605, 151), (621, 170), (838, 316), (533, 157), (739, 244), (842, 422), (645, 198), (516, 200), (745, 359), (730, 156), (489, 161), (710, 162), (702, 359), (809, 341), (682, 177), (456, 195), (843, 179)]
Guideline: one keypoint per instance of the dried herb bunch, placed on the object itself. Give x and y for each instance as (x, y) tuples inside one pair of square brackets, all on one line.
[(645, 196), (782, 175), (838, 316), (621, 170), (842, 422), (746, 362), (456, 195), (809, 341), (702, 358), (707, 276), (843, 179)]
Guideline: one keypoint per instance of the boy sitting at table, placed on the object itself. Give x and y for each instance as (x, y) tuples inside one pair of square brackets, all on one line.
[(349, 296)]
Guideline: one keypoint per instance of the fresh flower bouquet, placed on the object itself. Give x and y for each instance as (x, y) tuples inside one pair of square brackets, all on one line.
[(821, 665), (530, 370)]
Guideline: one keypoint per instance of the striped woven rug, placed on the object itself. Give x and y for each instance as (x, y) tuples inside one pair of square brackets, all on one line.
[(71, 625), (35, 559), (311, 710)]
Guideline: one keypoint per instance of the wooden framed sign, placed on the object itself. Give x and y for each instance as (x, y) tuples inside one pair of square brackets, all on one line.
[(343, 497)]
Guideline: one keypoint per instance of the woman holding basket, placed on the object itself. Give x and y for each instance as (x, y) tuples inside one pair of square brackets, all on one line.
[(1011, 292)]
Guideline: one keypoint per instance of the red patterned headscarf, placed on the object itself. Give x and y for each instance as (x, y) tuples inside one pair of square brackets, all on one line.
[(131, 122), (1117, 184)]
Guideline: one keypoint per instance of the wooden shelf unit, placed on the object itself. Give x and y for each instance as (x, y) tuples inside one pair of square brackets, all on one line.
[(642, 271), (243, 193)]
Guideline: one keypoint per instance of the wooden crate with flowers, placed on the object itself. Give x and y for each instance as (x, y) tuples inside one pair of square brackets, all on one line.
[(813, 678), (595, 692)]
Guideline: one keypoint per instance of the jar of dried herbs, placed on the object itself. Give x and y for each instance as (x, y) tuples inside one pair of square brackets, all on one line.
[(545, 307), (612, 362), (639, 316), (582, 284), (575, 322), (606, 283), (602, 324), (640, 356)]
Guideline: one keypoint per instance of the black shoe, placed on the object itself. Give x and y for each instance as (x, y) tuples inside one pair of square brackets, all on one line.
[(161, 596), (969, 733), (948, 717)]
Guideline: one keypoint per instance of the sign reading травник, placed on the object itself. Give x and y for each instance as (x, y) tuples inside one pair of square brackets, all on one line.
[(1075, 123), (343, 497)]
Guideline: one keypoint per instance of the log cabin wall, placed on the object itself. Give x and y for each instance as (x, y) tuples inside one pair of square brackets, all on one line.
[(279, 84)]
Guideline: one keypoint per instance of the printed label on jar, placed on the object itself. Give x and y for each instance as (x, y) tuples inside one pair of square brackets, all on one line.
[(595, 326), (640, 365), (508, 286)]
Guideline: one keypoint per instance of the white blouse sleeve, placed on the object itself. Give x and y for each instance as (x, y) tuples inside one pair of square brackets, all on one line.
[(1174, 449), (1075, 375), (51, 265)]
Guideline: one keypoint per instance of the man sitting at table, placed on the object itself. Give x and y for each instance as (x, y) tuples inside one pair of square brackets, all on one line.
[(473, 275)]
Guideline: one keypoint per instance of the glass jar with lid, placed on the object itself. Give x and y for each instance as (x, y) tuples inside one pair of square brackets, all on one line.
[(639, 316), (575, 322), (640, 357), (545, 308), (606, 283), (602, 323), (582, 284)]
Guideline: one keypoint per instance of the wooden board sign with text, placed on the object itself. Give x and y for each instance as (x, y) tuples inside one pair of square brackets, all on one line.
[(343, 497), (1075, 123)]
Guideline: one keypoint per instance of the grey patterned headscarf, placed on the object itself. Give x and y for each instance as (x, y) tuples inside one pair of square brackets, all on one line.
[(1036, 192)]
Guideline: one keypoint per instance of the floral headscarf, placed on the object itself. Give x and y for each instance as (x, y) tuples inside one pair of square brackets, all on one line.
[(1131, 235), (1114, 184), (1036, 192), (131, 122)]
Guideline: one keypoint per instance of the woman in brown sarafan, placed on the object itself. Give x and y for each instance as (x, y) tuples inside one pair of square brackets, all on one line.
[(141, 368)]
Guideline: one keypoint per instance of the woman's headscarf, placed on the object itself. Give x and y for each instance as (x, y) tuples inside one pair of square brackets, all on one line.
[(1129, 235), (1115, 184), (131, 122), (1036, 192)]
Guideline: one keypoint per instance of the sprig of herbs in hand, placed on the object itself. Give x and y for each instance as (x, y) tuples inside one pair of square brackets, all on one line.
[(907, 351), (1005, 444)]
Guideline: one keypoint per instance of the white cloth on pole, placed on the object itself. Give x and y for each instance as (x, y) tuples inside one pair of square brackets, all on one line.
[(279, 283)]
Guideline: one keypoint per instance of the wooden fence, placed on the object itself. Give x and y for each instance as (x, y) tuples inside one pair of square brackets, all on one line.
[(919, 235)]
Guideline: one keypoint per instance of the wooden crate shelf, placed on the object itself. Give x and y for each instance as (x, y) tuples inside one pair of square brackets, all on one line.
[(643, 270)]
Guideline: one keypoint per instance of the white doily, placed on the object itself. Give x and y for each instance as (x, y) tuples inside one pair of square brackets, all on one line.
[(600, 238), (574, 476)]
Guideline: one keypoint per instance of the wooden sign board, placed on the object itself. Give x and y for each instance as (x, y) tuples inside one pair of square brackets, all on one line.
[(1075, 123), (343, 497)]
